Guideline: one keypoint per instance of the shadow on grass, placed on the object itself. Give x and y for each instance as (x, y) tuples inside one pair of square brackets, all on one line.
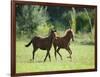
[(87, 43), (31, 61)]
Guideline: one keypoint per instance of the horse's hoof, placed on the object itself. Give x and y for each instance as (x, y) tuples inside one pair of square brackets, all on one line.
[(31, 59), (69, 57), (61, 59), (49, 60), (44, 60)]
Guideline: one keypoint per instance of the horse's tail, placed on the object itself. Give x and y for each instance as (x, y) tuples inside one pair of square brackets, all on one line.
[(28, 44)]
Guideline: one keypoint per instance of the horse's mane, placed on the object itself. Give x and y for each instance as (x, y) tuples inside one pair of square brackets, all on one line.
[(68, 31)]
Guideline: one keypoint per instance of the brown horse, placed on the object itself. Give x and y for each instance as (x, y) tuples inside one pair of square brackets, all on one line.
[(42, 43), (63, 42)]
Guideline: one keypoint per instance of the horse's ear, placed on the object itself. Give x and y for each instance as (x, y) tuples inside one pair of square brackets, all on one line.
[(53, 29)]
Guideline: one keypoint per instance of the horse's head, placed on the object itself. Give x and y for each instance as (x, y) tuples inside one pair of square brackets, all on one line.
[(70, 34), (52, 33)]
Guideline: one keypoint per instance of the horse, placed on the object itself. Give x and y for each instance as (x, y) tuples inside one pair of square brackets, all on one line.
[(42, 43), (63, 42)]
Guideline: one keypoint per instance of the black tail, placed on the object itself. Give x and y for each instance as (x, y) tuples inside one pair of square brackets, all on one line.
[(28, 44)]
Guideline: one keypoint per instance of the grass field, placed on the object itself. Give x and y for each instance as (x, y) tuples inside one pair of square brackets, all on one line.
[(82, 58)]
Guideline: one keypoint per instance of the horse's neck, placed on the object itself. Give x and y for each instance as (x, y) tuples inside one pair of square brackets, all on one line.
[(67, 38), (50, 38)]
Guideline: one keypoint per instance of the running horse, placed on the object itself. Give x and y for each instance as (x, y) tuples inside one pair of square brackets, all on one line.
[(42, 43), (63, 42)]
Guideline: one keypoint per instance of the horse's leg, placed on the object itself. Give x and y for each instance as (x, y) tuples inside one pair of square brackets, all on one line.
[(69, 50), (59, 53), (47, 54), (49, 57), (34, 52), (55, 51)]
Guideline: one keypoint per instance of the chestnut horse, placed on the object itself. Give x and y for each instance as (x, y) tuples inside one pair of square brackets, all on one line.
[(63, 42), (42, 43)]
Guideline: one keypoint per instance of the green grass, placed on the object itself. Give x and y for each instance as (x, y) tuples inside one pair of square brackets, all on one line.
[(82, 58)]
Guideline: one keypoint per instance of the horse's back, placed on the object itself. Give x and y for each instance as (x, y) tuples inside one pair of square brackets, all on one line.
[(42, 43), (61, 42)]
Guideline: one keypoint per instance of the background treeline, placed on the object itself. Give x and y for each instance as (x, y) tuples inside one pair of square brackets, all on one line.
[(38, 20)]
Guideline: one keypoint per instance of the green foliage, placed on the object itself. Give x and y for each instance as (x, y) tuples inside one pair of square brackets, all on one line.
[(83, 22), (30, 18), (34, 20), (42, 30), (92, 35)]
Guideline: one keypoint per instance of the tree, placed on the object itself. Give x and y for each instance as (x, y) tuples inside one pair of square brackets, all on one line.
[(28, 17), (73, 19)]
